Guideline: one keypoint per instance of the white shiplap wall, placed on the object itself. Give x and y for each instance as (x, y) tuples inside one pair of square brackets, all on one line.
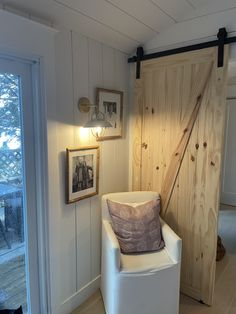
[(82, 64)]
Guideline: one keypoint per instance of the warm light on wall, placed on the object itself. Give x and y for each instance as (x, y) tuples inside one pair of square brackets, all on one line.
[(84, 133), (97, 122)]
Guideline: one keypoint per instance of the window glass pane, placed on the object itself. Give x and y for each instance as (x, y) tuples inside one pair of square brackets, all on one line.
[(12, 241)]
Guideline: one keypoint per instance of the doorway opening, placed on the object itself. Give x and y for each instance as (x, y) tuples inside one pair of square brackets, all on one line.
[(225, 268), (227, 214)]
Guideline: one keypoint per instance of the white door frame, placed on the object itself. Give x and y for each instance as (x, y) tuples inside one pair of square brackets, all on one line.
[(38, 148), (41, 169), (41, 159)]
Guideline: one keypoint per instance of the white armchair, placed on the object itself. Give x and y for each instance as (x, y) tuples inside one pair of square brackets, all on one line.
[(142, 283)]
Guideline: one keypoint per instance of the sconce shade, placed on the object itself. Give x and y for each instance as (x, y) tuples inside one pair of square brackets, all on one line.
[(97, 120), (97, 117), (97, 124)]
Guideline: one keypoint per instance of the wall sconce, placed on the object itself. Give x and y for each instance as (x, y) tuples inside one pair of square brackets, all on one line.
[(97, 121)]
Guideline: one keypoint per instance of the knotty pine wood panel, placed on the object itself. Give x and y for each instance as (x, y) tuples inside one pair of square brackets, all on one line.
[(165, 98), (137, 135), (214, 131), (183, 136), (190, 219)]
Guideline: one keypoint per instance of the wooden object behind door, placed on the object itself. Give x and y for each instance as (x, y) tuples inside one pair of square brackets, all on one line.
[(173, 94)]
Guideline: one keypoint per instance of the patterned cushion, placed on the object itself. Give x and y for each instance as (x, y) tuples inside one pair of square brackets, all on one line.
[(137, 228)]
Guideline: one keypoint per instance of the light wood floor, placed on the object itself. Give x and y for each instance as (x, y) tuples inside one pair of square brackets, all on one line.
[(225, 286), (13, 283)]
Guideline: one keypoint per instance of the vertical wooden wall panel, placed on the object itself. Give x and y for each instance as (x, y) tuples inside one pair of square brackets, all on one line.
[(83, 219), (65, 132), (108, 67), (95, 80), (121, 146), (137, 135), (215, 120), (89, 65), (108, 154), (181, 154), (146, 171)]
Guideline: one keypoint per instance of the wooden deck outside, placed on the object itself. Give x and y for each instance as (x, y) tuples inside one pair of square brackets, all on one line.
[(13, 278), (12, 263)]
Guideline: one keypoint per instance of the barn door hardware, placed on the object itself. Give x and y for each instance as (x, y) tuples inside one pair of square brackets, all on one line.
[(220, 42), (222, 35), (140, 54)]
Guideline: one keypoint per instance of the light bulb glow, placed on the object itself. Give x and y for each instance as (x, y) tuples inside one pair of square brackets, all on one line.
[(98, 131)]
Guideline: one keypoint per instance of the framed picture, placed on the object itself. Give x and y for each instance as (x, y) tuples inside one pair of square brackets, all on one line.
[(110, 103), (82, 172)]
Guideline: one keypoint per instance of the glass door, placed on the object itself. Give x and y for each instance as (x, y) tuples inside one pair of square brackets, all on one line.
[(18, 228)]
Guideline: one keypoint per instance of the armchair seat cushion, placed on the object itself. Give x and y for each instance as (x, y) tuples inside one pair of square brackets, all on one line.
[(145, 263)]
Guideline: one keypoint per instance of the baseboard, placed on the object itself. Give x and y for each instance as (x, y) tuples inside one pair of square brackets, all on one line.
[(228, 198), (80, 296)]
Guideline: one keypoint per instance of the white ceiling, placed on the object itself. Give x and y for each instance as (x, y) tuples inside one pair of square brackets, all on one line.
[(122, 24)]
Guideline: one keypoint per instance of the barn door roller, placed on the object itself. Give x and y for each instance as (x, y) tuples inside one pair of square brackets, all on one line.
[(220, 42)]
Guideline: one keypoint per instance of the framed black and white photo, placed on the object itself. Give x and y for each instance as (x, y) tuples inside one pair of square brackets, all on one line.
[(110, 103), (82, 173)]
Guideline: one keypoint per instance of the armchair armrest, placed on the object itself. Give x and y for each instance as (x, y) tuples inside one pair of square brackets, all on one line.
[(110, 247), (172, 241)]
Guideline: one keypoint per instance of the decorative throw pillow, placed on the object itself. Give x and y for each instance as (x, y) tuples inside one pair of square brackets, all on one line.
[(138, 228)]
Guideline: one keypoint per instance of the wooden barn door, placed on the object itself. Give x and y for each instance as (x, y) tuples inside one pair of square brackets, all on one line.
[(179, 124)]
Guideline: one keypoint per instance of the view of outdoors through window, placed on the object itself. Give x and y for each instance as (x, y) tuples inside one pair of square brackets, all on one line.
[(12, 241)]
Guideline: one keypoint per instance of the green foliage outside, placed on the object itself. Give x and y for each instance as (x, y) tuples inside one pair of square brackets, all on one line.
[(10, 127)]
